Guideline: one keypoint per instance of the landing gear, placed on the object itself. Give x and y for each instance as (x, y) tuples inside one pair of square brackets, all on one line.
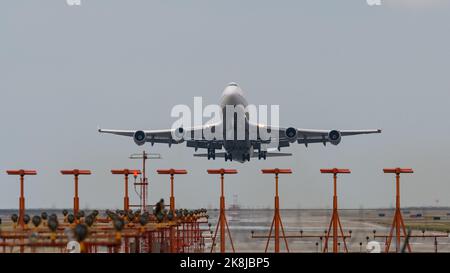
[(246, 157), (262, 155), (211, 154), (228, 157)]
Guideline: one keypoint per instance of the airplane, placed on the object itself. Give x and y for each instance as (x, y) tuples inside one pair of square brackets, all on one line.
[(238, 149)]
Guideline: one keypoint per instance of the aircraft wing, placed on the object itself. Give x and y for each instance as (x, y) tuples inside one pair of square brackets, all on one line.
[(310, 132), (164, 136), (306, 136), (153, 136)]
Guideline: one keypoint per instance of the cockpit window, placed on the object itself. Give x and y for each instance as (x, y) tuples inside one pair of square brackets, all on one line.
[(233, 84)]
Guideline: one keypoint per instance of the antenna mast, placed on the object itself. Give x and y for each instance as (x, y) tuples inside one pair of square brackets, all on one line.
[(143, 181)]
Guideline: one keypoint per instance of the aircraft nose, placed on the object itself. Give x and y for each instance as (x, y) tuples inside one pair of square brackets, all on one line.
[(230, 99), (231, 89), (232, 95)]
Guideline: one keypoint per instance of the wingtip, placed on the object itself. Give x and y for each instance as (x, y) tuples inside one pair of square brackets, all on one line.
[(379, 130)]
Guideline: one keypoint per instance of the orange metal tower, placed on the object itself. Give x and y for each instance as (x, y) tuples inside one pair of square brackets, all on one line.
[(397, 223), (76, 173), (222, 222), (172, 173), (126, 173), (335, 222), (22, 173), (276, 222)]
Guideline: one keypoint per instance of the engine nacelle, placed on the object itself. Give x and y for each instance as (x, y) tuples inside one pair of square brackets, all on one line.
[(334, 136), (178, 134), (139, 137), (291, 134)]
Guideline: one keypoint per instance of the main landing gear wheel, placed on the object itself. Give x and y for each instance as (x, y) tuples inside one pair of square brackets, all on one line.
[(228, 157), (211, 154), (246, 157), (262, 155)]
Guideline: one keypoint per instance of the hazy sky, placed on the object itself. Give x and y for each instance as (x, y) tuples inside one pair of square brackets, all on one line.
[(64, 70)]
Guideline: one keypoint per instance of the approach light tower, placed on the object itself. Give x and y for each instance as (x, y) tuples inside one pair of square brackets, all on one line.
[(126, 173), (172, 173), (276, 222), (22, 174), (335, 222), (398, 223), (76, 200), (222, 221)]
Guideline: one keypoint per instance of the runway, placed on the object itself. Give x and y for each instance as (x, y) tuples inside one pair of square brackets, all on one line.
[(313, 222), (362, 223)]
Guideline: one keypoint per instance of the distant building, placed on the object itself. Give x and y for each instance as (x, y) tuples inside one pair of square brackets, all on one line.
[(235, 205)]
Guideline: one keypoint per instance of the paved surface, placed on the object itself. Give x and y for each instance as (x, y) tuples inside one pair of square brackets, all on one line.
[(362, 223), (314, 222)]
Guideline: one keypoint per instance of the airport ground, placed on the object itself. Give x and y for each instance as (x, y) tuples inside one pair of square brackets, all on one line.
[(361, 222)]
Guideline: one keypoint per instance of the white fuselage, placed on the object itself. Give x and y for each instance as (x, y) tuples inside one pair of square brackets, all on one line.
[(237, 147)]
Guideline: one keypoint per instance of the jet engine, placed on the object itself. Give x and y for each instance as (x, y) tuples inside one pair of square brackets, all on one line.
[(178, 134), (139, 138), (291, 134), (334, 136)]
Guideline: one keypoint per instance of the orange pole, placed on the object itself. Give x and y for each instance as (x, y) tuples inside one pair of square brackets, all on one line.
[(335, 222), (222, 221), (172, 233), (172, 197), (173, 244), (76, 173), (22, 174), (335, 213), (76, 201), (397, 223), (397, 212), (277, 220), (222, 216), (21, 202), (172, 173), (126, 199), (126, 173), (277, 223)]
